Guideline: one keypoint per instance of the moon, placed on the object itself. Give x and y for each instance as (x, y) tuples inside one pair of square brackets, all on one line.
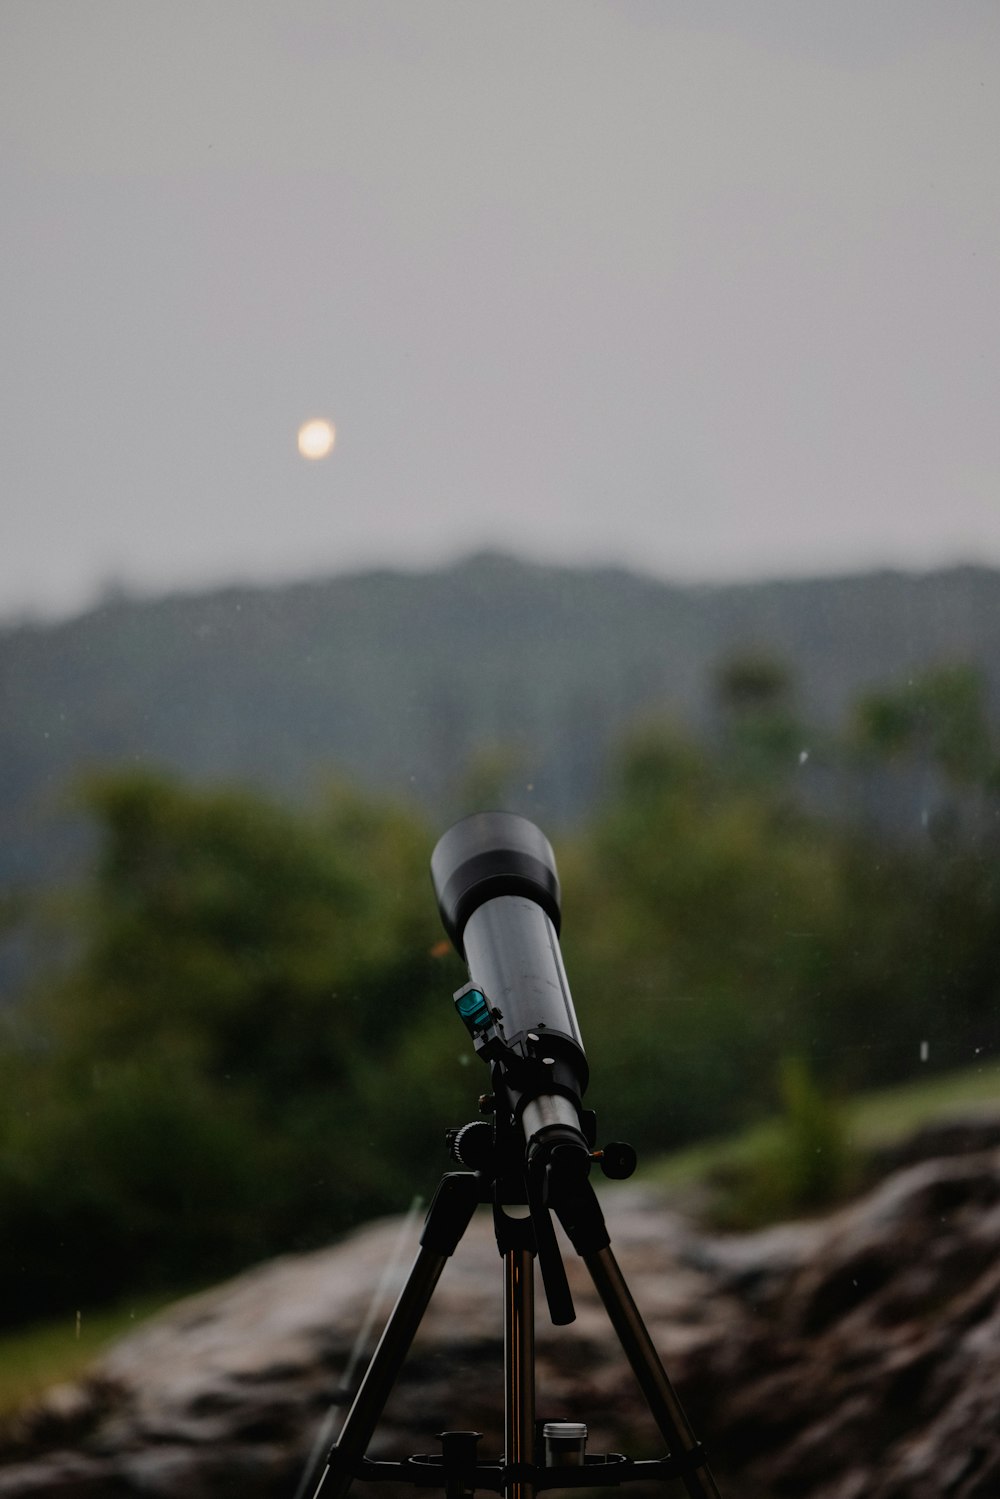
[(316, 438)]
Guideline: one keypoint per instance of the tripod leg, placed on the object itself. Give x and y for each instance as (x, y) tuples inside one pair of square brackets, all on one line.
[(454, 1203), (519, 1364), (637, 1345), (381, 1374)]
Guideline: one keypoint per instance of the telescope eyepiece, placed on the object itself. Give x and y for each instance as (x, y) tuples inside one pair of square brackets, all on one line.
[(487, 855)]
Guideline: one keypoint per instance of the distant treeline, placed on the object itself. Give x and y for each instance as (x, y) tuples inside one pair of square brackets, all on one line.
[(405, 683), (249, 1044)]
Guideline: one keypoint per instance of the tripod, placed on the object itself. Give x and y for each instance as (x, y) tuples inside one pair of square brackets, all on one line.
[(552, 1181)]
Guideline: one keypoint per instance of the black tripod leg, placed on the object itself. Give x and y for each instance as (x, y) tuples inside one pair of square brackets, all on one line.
[(454, 1203), (637, 1345), (519, 1364)]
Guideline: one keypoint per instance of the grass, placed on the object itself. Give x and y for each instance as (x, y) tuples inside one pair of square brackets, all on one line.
[(34, 1358), (884, 1117), (870, 1120)]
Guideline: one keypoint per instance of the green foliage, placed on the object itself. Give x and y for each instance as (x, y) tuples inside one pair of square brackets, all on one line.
[(807, 1165), (761, 734), (711, 929), (691, 948), (488, 775), (939, 716), (251, 1046), (204, 1086), (753, 683)]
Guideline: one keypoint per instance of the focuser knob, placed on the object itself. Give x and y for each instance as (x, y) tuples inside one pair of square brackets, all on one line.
[(472, 1145)]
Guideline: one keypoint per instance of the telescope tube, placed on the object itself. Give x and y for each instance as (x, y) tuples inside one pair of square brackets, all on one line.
[(494, 875)]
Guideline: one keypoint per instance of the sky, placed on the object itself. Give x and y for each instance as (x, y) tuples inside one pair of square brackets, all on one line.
[(706, 289)]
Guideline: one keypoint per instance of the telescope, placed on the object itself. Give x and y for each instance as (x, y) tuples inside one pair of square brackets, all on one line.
[(498, 893), (494, 875)]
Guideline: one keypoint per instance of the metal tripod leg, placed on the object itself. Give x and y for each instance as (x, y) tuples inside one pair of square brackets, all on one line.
[(637, 1346), (519, 1364), (387, 1360), (447, 1220)]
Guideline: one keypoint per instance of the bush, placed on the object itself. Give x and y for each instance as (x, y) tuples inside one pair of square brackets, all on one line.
[(807, 1165)]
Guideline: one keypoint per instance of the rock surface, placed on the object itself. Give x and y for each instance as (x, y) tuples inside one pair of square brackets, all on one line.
[(854, 1355)]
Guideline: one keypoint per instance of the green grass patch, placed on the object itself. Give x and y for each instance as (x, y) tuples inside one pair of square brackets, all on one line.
[(34, 1358), (726, 1180), (889, 1115)]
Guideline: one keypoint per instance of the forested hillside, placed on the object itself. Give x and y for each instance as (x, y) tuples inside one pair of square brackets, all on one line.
[(493, 675)]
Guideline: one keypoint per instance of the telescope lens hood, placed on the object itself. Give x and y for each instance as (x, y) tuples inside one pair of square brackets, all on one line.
[(491, 854)]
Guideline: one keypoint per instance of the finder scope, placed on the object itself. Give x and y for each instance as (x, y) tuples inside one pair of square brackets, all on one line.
[(495, 878)]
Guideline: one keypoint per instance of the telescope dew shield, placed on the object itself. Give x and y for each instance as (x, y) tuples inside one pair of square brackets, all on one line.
[(488, 854), (495, 878)]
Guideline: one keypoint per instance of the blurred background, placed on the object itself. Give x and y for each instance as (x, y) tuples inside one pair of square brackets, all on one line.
[(586, 409)]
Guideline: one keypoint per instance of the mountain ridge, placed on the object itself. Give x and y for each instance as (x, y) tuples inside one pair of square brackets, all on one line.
[(398, 680)]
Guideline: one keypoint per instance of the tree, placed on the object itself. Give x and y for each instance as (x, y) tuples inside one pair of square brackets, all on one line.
[(198, 1089)]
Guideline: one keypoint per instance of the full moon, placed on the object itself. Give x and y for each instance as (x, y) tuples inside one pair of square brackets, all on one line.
[(316, 438)]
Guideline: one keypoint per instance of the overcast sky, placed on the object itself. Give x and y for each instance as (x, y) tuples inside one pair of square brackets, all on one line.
[(710, 289)]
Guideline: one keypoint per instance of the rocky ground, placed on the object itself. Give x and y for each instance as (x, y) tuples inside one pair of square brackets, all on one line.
[(858, 1354)]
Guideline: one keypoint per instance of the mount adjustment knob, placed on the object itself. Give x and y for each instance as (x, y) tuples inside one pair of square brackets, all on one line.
[(472, 1145), (618, 1160)]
